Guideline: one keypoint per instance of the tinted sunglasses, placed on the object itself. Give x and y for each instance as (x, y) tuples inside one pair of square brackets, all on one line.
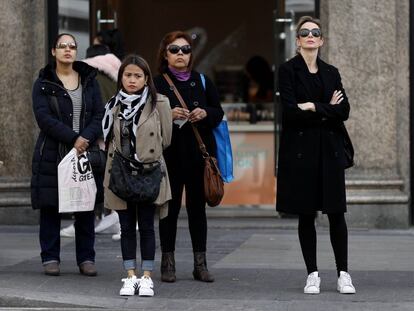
[(64, 45), (174, 49), (316, 32)]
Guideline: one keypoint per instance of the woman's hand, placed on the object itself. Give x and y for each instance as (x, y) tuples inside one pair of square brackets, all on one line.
[(307, 106), (180, 113), (337, 97), (81, 144), (197, 114)]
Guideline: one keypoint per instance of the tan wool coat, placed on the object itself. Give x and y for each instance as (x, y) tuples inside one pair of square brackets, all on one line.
[(152, 137)]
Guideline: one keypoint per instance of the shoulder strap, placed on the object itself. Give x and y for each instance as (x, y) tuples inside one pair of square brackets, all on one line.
[(181, 100), (203, 81)]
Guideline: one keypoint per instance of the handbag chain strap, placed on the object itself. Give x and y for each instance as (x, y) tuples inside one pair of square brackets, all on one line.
[(181, 100)]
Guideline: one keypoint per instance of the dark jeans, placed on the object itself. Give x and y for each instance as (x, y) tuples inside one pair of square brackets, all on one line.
[(128, 219), (339, 239), (49, 235), (196, 211)]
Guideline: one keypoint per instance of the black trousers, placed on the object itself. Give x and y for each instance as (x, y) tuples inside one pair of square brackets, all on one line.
[(49, 235), (128, 219), (339, 239), (196, 210)]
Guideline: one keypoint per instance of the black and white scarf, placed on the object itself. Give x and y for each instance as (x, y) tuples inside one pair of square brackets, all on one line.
[(129, 107)]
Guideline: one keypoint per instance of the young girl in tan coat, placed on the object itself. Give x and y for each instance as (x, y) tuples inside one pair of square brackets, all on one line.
[(138, 124)]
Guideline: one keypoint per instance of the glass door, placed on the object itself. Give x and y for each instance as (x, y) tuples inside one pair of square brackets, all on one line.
[(285, 18)]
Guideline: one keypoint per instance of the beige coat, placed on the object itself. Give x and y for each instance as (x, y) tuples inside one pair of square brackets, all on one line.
[(152, 137)]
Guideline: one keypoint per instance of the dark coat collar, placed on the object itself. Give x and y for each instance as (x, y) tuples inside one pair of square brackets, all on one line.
[(300, 66), (299, 63), (85, 71)]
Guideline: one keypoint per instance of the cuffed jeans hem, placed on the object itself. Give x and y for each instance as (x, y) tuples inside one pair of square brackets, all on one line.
[(147, 265), (86, 261), (49, 261), (130, 264)]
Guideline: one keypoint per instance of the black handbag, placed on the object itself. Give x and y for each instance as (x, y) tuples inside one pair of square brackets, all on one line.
[(133, 181), (97, 159), (348, 148)]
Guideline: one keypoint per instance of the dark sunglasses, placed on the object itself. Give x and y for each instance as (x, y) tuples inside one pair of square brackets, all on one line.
[(316, 32), (64, 45), (174, 49)]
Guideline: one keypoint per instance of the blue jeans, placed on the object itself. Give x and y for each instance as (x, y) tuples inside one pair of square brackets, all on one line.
[(49, 236), (128, 219)]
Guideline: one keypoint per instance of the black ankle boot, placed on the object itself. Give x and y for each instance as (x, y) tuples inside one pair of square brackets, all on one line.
[(200, 272), (168, 267)]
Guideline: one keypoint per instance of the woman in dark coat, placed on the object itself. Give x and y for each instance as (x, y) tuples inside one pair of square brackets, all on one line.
[(183, 157), (73, 87), (311, 156)]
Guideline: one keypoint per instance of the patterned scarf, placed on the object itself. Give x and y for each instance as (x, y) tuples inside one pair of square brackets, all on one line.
[(129, 107)]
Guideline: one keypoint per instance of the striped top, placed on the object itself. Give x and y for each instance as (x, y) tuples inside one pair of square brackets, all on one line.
[(76, 96)]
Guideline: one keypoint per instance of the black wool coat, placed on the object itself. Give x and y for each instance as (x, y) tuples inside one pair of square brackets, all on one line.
[(44, 183), (183, 157), (311, 157)]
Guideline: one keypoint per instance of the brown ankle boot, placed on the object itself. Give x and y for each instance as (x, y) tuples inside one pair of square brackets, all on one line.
[(52, 268), (168, 267), (200, 272), (87, 268)]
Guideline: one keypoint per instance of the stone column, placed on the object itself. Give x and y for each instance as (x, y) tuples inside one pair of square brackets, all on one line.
[(368, 40), (23, 53)]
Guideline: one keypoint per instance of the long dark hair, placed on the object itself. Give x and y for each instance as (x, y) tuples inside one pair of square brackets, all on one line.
[(137, 60), (162, 63)]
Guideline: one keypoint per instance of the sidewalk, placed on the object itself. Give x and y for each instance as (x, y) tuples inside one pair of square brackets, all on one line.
[(256, 262)]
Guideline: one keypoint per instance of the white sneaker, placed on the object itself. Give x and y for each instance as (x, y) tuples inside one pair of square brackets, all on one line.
[(116, 236), (313, 283), (345, 285), (68, 232), (130, 286), (146, 287), (108, 224)]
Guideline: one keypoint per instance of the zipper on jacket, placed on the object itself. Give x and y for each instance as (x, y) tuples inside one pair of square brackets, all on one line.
[(42, 146), (84, 100)]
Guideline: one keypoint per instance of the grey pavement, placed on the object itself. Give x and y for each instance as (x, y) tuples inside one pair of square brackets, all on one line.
[(256, 261)]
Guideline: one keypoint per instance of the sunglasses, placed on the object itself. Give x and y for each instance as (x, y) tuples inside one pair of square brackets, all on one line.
[(316, 32), (64, 45), (174, 49)]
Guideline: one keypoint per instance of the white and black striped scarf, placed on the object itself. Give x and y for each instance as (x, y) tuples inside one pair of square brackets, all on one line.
[(129, 107)]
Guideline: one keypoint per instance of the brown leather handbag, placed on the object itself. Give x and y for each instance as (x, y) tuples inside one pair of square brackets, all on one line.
[(213, 182)]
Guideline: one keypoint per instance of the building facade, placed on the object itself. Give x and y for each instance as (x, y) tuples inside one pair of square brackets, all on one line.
[(369, 41)]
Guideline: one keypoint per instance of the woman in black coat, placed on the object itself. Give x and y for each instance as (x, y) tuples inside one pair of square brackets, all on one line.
[(73, 87), (183, 157), (311, 160)]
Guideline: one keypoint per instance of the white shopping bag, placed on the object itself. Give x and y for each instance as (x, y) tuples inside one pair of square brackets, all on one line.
[(77, 188)]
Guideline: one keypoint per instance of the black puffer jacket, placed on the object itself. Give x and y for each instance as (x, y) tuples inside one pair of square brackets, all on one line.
[(53, 131)]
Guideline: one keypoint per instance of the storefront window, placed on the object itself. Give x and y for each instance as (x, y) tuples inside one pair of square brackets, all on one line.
[(74, 19)]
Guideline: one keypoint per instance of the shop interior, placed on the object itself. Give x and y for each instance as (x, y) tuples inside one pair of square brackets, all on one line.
[(238, 44)]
